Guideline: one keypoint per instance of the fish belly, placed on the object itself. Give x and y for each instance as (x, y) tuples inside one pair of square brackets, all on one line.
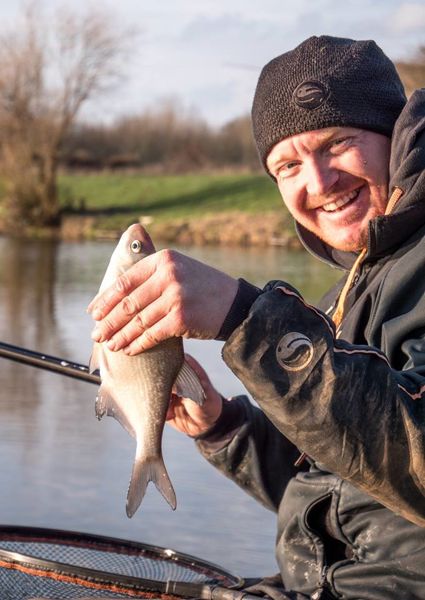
[(139, 390)]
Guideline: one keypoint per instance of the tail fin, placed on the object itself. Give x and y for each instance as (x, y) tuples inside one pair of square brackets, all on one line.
[(145, 470)]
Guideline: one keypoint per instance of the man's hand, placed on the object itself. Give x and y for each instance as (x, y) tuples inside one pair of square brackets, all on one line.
[(189, 418), (167, 294)]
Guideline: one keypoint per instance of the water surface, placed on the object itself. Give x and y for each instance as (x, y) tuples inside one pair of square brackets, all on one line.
[(62, 468)]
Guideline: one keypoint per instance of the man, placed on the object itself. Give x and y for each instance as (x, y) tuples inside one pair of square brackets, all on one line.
[(333, 129)]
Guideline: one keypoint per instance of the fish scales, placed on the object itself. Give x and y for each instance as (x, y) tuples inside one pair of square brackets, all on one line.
[(136, 390)]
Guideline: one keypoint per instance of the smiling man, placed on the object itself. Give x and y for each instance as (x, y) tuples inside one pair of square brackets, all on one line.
[(333, 181), (336, 445)]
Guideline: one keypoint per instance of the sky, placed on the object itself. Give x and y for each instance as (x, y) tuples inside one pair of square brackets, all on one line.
[(205, 55)]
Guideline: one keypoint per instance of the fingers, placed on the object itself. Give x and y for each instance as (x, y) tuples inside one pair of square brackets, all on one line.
[(187, 417), (164, 295), (152, 336), (103, 303), (141, 321), (130, 317)]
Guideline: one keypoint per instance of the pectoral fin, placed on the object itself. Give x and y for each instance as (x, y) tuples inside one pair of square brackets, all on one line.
[(106, 405), (188, 385)]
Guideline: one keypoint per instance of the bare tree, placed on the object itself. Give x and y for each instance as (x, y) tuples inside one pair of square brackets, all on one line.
[(48, 70)]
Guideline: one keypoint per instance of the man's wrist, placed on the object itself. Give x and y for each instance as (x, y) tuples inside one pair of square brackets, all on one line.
[(244, 299), (231, 417)]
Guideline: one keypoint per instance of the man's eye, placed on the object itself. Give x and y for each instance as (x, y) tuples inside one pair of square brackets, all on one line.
[(288, 167), (339, 143), (291, 165)]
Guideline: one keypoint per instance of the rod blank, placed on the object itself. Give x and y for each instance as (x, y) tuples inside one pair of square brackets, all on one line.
[(48, 363)]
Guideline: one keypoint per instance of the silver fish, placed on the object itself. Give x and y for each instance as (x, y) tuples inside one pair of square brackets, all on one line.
[(136, 390)]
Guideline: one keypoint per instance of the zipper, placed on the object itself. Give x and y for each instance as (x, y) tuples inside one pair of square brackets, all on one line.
[(323, 592), (355, 270), (318, 594)]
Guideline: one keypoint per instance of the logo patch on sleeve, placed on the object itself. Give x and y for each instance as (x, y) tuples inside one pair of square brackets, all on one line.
[(294, 351)]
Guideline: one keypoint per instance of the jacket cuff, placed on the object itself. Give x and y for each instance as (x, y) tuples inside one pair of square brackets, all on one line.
[(244, 299), (232, 416)]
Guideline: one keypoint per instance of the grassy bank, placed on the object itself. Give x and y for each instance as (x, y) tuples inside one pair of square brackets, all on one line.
[(232, 209), (167, 197), (193, 208)]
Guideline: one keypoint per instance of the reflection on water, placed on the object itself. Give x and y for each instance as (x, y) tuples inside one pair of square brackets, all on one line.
[(61, 467)]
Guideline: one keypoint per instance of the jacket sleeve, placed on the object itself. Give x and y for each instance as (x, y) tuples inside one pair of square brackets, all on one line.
[(247, 448), (340, 403)]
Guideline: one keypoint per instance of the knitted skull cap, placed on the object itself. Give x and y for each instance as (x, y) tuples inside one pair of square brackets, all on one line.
[(325, 82)]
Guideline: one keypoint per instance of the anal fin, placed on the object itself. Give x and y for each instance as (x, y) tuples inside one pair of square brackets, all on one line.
[(106, 405)]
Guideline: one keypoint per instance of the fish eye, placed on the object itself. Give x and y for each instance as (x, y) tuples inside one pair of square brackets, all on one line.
[(136, 246)]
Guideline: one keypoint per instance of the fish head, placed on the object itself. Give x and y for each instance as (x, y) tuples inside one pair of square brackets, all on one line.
[(134, 244)]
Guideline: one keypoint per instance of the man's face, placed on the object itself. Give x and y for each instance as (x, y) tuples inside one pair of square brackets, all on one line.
[(333, 181)]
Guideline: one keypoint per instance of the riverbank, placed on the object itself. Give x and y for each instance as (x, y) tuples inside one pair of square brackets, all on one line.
[(228, 229), (241, 209)]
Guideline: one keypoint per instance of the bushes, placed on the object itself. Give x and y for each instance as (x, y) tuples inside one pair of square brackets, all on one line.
[(165, 140)]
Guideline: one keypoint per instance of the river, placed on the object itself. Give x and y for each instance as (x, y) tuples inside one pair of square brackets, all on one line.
[(62, 468)]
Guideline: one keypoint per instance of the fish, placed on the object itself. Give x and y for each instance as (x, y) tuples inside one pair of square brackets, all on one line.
[(136, 390)]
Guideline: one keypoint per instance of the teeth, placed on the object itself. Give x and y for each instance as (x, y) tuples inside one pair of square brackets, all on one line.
[(331, 206)]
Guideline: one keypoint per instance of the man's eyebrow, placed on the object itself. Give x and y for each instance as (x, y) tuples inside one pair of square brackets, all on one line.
[(330, 135), (322, 139), (279, 160)]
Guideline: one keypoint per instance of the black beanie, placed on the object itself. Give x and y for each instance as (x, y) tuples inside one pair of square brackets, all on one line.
[(326, 82)]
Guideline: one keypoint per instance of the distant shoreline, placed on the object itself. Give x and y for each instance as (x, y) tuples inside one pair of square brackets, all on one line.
[(226, 229)]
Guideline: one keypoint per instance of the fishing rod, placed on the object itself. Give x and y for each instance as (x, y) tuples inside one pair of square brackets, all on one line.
[(48, 363)]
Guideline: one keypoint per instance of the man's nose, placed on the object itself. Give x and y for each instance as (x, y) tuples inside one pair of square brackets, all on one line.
[(321, 177)]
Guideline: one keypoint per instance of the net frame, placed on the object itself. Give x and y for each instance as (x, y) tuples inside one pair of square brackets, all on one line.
[(215, 578)]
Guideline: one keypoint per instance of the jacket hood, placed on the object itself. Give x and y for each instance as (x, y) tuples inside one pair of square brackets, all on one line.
[(407, 172)]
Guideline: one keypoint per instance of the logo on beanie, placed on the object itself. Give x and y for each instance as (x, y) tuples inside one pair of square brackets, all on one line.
[(310, 94), (294, 351)]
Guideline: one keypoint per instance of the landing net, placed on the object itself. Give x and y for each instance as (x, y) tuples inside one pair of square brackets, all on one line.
[(37, 564)]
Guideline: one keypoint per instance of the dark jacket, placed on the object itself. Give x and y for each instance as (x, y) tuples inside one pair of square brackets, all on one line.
[(352, 522)]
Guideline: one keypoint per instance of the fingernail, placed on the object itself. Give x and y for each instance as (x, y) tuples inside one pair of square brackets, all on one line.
[(112, 345), (96, 335), (96, 314)]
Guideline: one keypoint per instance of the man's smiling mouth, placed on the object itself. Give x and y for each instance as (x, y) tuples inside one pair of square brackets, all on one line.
[(341, 202)]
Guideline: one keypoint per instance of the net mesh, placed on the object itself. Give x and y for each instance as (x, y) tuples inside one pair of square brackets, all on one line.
[(136, 565), (40, 564)]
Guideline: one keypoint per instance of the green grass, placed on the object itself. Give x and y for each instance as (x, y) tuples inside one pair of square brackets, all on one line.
[(115, 197)]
